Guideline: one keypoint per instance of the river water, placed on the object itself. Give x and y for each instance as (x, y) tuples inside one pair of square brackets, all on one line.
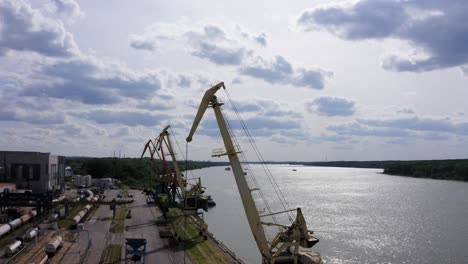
[(359, 215)]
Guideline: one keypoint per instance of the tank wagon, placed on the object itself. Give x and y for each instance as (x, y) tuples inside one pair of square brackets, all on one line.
[(31, 234), (54, 244), (11, 249), (81, 214), (95, 198), (13, 224), (59, 199)]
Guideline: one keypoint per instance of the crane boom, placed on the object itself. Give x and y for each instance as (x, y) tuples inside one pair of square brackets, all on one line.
[(203, 106), (293, 236)]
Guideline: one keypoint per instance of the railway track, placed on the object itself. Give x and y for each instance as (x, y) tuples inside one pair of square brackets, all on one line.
[(61, 253), (31, 252)]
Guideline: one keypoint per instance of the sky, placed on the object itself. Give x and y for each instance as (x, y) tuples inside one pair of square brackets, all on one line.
[(312, 80)]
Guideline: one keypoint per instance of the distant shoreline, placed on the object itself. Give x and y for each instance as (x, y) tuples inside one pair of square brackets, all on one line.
[(456, 169)]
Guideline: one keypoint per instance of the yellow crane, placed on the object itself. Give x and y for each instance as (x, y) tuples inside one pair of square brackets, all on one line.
[(285, 246), (191, 196)]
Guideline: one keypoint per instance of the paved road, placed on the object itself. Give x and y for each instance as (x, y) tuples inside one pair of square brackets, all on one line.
[(141, 225), (96, 234)]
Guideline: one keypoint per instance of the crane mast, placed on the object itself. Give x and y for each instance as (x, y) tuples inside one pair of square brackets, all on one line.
[(245, 193), (293, 236), (179, 177)]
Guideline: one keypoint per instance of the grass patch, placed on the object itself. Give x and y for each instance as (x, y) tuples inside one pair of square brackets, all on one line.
[(111, 254), (65, 223), (198, 250), (118, 224)]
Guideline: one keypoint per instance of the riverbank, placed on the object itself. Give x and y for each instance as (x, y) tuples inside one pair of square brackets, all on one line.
[(456, 169), (433, 169)]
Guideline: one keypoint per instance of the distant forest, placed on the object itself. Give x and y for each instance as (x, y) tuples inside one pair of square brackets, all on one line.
[(134, 172), (433, 169)]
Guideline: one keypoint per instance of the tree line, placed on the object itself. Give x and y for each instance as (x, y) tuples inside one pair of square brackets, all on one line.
[(134, 172), (433, 169)]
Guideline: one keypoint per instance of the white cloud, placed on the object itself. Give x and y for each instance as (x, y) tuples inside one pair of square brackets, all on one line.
[(331, 106), (26, 29), (409, 21), (232, 47)]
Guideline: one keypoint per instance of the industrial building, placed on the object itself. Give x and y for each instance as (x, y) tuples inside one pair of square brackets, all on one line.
[(82, 180), (68, 171), (102, 182), (35, 171)]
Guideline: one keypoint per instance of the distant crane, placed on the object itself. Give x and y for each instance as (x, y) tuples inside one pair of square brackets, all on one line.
[(190, 199), (284, 248)]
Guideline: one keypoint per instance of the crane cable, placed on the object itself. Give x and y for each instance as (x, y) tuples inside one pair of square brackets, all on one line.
[(254, 180), (270, 177), (182, 153)]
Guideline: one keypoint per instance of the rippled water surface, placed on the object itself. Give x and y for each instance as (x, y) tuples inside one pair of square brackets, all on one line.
[(359, 215)]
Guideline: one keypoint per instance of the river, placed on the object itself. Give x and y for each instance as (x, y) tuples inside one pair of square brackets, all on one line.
[(359, 215)]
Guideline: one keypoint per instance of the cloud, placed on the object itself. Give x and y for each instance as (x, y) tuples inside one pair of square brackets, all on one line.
[(331, 106), (356, 129), (264, 107), (465, 70), (213, 44), (334, 138), (219, 55), (208, 41), (409, 21), (261, 39), (420, 124), (405, 111), (365, 20), (247, 106), (91, 81), (129, 118), (279, 70), (71, 130), (191, 79), (29, 110), (37, 118), (398, 141), (121, 132), (23, 28), (401, 129), (260, 121), (69, 10), (232, 47), (140, 43)]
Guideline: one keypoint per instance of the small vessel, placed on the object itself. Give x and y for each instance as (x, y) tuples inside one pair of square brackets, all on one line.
[(228, 168), (294, 170)]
